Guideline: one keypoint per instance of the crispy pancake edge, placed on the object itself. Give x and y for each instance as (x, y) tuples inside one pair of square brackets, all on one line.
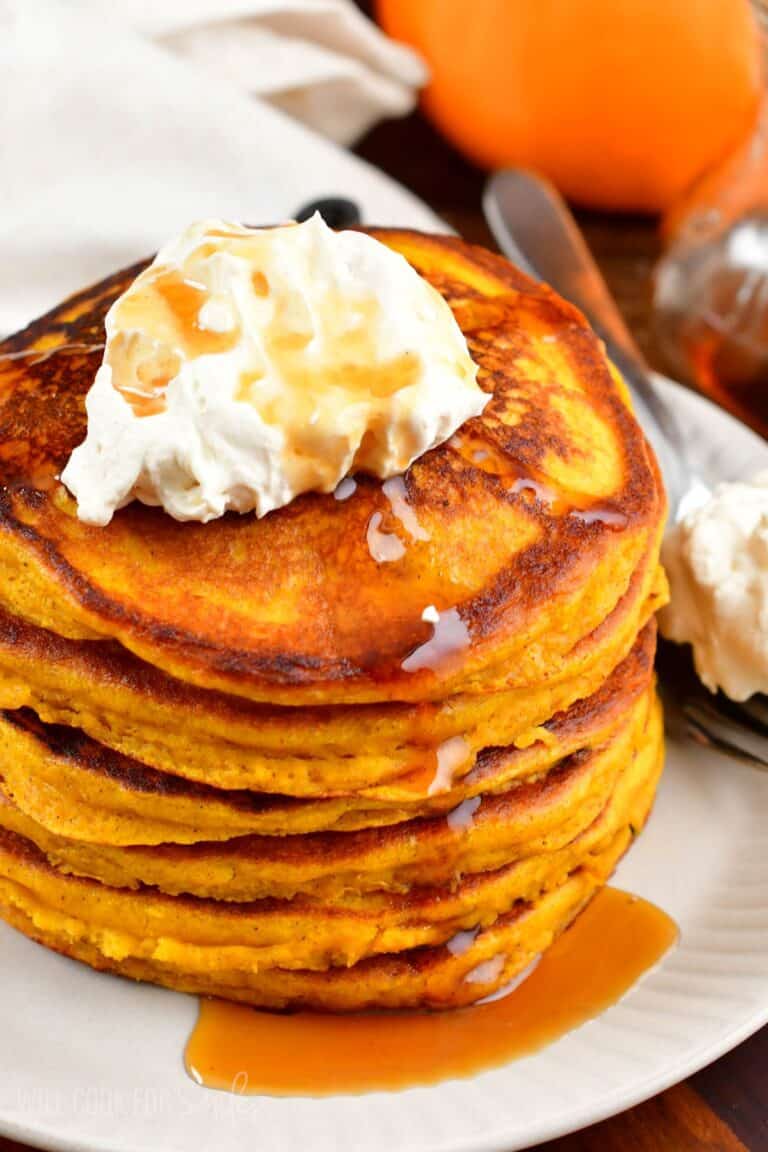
[(296, 678)]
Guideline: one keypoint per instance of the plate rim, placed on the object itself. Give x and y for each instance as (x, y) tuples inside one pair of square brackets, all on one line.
[(614, 1104)]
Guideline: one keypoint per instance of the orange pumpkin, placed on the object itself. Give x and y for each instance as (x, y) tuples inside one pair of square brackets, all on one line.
[(622, 103)]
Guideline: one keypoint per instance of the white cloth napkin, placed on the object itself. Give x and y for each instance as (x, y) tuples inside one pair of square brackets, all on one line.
[(321, 61), (122, 123)]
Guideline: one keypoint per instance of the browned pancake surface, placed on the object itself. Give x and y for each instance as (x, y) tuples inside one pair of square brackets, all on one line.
[(537, 513)]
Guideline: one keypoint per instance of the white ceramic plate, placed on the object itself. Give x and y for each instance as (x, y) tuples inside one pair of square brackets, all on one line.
[(91, 1062)]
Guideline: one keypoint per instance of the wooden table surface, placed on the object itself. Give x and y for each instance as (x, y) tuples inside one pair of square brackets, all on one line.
[(725, 1107)]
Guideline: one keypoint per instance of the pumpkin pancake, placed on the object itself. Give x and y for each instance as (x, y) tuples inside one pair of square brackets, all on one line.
[(533, 519), (485, 833), (360, 958), (250, 758), (230, 743), (77, 788)]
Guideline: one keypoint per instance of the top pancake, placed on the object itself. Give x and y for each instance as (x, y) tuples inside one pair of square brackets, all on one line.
[(537, 513)]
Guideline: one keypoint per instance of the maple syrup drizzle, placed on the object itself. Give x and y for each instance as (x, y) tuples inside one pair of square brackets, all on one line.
[(147, 363), (487, 971), (260, 284), (39, 355), (384, 547), (602, 514), (451, 755), (540, 491), (590, 967), (462, 817), (450, 635), (395, 491), (345, 488), (488, 458), (461, 942), (515, 982)]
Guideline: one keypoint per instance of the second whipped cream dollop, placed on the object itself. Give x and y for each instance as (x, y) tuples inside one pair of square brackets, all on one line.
[(717, 562), (246, 366)]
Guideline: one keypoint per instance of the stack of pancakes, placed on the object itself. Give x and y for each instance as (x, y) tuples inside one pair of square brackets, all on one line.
[(370, 751)]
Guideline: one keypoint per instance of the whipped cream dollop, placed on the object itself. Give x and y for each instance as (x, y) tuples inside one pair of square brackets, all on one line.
[(246, 366), (716, 559)]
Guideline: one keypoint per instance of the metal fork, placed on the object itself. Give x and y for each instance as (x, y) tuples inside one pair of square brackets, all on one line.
[(533, 227)]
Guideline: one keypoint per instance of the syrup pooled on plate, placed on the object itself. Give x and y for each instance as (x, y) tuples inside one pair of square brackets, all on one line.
[(612, 943)]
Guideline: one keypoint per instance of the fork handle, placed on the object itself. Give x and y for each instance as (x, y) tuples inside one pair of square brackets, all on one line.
[(537, 226), (534, 227)]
